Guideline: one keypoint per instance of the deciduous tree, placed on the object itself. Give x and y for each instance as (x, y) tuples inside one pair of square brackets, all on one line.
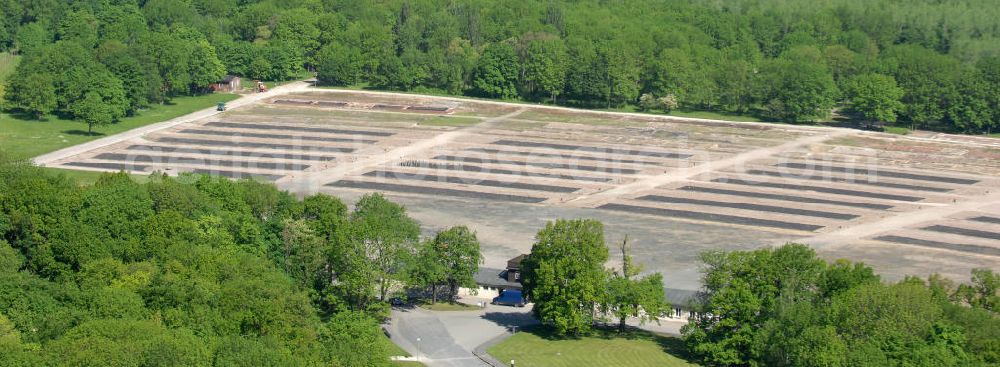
[(874, 96), (497, 72), (564, 274), (629, 295)]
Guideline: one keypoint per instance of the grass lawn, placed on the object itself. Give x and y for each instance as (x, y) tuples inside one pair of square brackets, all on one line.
[(899, 130), (605, 349), (25, 138), (396, 351)]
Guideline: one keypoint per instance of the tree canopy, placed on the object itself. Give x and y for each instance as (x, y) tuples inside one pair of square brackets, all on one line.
[(786, 307), (564, 275), (196, 270), (786, 61)]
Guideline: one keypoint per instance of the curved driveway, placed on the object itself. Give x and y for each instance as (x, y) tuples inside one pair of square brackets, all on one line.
[(448, 338)]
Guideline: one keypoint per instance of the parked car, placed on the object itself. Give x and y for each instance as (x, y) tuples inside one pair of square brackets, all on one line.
[(510, 297)]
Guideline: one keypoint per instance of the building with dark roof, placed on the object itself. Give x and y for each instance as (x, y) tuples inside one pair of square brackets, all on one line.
[(513, 273)]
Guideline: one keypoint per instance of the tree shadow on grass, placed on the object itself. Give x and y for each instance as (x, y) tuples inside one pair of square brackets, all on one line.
[(675, 346), (82, 133), (25, 116)]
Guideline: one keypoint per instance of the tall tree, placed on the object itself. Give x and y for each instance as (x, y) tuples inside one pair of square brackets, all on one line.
[(34, 93), (458, 251), (564, 274), (339, 65), (631, 296), (984, 290), (874, 96), (621, 73), (546, 66), (381, 236), (426, 270), (796, 90), (497, 72), (928, 78), (741, 292)]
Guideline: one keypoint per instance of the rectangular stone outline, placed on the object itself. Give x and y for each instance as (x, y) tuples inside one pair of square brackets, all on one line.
[(719, 218), (986, 219), (826, 190), (250, 144), (894, 174), (846, 180), (792, 198), (434, 191), (274, 136), (121, 157), (229, 153), (963, 231), (470, 181), (261, 126), (748, 206), (980, 250), (473, 168), (529, 144), (452, 158), (566, 156)]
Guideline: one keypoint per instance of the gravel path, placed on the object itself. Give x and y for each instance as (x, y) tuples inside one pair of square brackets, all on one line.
[(312, 181), (685, 174), (851, 234)]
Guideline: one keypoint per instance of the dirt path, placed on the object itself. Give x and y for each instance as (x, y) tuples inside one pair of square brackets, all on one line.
[(849, 235), (64, 153), (311, 182), (684, 174)]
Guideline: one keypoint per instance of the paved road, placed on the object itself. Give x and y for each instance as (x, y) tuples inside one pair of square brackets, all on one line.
[(447, 339)]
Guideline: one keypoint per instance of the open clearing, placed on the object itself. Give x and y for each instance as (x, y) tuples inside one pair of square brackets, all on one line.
[(636, 349), (677, 187), (26, 138)]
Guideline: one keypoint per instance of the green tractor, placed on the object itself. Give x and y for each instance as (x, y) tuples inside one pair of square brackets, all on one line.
[(221, 106)]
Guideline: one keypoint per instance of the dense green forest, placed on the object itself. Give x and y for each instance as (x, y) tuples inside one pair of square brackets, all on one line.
[(786, 307), (199, 271), (924, 63)]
